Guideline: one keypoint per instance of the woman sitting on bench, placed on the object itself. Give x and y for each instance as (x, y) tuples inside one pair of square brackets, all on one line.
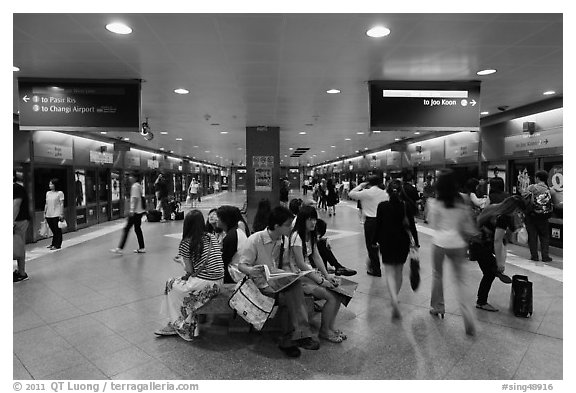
[(304, 256), (200, 254), (233, 241)]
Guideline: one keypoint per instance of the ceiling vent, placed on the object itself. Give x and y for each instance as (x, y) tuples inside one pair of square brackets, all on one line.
[(298, 152)]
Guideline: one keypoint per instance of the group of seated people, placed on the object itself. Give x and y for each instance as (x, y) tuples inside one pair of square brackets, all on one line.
[(222, 250)]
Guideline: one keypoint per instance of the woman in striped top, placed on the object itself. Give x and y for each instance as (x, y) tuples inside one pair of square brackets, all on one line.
[(199, 253)]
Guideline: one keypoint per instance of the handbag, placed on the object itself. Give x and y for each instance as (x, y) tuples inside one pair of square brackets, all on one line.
[(253, 306), (44, 230), (62, 224), (414, 257), (522, 236)]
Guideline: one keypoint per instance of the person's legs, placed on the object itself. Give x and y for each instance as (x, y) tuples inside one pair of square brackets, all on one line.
[(390, 273), (532, 237), (370, 230), (398, 269), (457, 258), (138, 230), (158, 200), (543, 228), (330, 309), (129, 224), (295, 324), (327, 255), (437, 298), (53, 224), (487, 263), (20, 228)]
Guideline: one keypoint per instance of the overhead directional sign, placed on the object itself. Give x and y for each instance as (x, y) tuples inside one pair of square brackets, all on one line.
[(79, 105), (442, 106)]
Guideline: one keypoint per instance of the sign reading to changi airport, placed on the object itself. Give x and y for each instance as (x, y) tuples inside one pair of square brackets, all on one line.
[(442, 106), (79, 105)]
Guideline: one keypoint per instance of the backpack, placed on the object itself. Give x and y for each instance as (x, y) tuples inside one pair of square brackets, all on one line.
[(540, 202)]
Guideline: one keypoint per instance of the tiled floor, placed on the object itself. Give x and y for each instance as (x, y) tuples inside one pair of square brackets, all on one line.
[(88, 314)]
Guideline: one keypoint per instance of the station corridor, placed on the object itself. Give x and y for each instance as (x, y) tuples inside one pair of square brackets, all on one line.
[(86, 313)]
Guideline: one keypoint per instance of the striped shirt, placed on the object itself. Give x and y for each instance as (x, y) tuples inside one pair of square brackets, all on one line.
[(214, 269)]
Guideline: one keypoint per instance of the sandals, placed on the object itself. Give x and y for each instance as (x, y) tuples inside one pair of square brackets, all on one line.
[(332, 337), (341, 334)]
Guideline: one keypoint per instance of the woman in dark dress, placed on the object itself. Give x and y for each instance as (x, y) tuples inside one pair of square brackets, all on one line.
[(394, 241), (331, 197)]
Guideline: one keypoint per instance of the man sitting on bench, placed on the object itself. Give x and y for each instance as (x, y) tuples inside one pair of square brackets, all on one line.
[(269, 247)]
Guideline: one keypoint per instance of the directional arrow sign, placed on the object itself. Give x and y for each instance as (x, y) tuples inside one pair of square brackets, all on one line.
[(473, 102), (26, 98)]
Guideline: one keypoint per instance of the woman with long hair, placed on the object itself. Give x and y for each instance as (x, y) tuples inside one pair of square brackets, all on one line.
[(394, 240), (213, 227), (199, 253), (448, 215), (303, 257), (233, 241), (261, 217), (54, 212), (490, 249), (331, 197), (242, 224)]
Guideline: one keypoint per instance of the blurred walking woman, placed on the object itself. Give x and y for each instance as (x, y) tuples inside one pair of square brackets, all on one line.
[(54, 213), (394, 240), (200, 254), (451, 219)]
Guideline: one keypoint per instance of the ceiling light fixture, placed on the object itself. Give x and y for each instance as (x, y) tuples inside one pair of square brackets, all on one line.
[(302, 132), (333, 91), (417, 133), (347, 139), (549, 93), (126, 139), (223, 132), (290, 148), (15, 69), (486, 72), (163, 132), (181, 91), (396, 139), (332, 146), (376, 131), (161, 148), (103, 132), (178, 139), (378, 32), (360, 133), (118, 28), (484, 113)]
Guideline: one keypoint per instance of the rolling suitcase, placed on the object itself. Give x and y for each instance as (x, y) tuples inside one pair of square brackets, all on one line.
[(154, 215), (521, 296)]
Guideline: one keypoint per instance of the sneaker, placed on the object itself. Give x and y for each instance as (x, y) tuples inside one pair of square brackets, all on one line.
[(291, 352), (504, 278), (308, 343), (140, 251), (486, 307), (344, 271), (167, 330), (116, 250), (374, 274), (20, 277), (547, 259)]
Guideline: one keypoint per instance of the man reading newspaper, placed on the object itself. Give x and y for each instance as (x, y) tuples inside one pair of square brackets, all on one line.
[(269, 247)]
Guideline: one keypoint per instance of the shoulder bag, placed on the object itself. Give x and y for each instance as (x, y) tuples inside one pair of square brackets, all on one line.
[(251, 304)]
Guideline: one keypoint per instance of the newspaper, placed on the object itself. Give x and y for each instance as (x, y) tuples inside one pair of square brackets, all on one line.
[(276, 281)]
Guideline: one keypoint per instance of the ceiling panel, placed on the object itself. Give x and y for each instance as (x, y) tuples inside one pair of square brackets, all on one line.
[(273, 69)]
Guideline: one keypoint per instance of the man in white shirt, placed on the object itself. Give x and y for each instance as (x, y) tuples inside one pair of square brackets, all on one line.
[(370, 195), (134, 218)]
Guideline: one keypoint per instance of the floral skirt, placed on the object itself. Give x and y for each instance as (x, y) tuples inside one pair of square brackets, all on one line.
[(183, 298)]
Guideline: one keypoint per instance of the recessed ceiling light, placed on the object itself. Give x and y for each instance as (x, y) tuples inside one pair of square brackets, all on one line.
[(360, 133), (181, 91), (290, 148), (486, 72), (285, 155), (206, 151), (333, 91), (365, 148), (549, 93), (378, 31), (332, 146), (347, 139), (396, 139), (223, 132), (484, 113), (178, 139), (357, 151), (161, 148), (313, 155), (171, 151), (15, 69), (118, 28), (103, 132), (302, 132), (417, 133), (322, 151), (126, 139), (163, 132), (239, 148)]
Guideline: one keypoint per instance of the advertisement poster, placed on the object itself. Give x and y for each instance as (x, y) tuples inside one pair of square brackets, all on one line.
[(263, 179), (523, 175), (115, 186), (556, 183), (80, 188)]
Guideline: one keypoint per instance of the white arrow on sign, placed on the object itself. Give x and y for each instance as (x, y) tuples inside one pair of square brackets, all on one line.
[(26, 98), (472, 102)]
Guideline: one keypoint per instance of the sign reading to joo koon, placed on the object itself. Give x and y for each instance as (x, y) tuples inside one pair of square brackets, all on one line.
[(66, 105)]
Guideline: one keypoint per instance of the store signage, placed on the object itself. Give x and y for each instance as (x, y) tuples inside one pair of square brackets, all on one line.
[(53, 151), (133, 161), (458, 151), (79, 105), (424, 105), (153, 164), (263, 161), (420, 157), (101, 158), (537, 141)]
